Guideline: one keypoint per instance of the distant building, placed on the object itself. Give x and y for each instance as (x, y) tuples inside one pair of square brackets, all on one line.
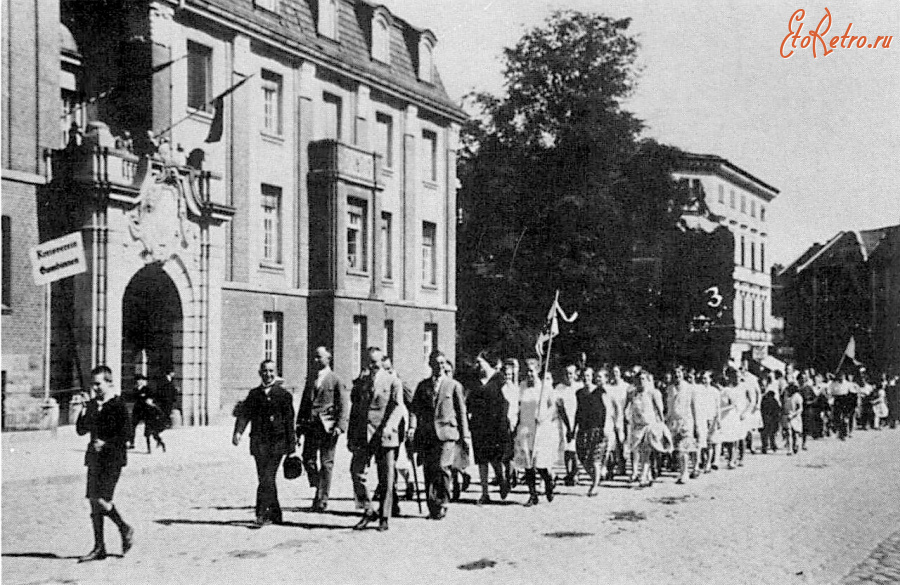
[(739, 201), (314, 204), (848, 287)]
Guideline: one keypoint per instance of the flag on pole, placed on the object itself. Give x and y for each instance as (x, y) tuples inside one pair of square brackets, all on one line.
[(850, 351), (551, 327), (218, 103)]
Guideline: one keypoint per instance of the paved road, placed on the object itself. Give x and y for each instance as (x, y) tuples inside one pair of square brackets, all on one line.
[(829, 515)]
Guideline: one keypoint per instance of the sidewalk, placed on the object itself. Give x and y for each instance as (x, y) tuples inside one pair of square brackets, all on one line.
[(42, 457)]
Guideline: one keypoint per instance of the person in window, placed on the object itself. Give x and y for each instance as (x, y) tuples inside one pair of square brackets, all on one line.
[(105, 418), (438, 426), (322, 418), (269, 410)]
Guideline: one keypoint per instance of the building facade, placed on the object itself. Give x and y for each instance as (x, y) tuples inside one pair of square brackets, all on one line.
[(30, 94), (848, 287), (251, 179), (739, 201)]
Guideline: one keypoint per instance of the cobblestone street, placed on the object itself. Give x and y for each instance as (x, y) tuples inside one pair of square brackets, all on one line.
[(829, 515)]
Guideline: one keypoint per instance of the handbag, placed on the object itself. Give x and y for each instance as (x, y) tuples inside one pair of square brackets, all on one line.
[(293, 467)]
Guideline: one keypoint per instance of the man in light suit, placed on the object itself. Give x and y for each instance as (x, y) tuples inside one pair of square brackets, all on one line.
[(377, 417), (323, 416), (438, 421)]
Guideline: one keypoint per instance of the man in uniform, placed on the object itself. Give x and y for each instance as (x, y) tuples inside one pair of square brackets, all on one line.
[(106, 418), (323, 416), (269, 409)]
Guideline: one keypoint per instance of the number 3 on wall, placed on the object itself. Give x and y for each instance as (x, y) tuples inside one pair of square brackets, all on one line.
[(715, 299)]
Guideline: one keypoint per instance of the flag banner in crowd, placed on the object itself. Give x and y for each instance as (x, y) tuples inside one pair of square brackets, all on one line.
[(551, 328), (850, 351)]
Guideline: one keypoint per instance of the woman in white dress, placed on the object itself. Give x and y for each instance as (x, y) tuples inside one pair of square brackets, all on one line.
[(732, 429), (537, 443)]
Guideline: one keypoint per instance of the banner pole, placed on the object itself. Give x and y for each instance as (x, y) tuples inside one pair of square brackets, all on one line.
[(46, 341)]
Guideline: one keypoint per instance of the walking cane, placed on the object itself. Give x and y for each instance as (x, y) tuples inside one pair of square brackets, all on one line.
[(412, 459)]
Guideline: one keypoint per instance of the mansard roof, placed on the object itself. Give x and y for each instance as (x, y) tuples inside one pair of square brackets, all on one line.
[(294, 28)]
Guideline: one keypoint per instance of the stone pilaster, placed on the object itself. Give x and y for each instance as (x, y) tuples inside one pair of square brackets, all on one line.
[(410, 252)]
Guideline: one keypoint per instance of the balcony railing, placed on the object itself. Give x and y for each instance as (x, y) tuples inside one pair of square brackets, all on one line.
[(336, 160)]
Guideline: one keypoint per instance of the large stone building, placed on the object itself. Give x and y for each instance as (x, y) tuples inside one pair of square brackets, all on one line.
[(313, 203), (848, 287), (739, 201)]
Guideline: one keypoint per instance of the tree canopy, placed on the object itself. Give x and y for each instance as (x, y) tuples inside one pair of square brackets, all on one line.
[(560, 191)]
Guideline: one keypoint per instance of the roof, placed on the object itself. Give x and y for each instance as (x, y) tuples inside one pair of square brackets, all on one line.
[(294, 28), (865, 241), (694, 161)]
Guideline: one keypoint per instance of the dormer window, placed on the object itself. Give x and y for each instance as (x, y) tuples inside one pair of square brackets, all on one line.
[(426, 57), (328, 18), (381, 38)]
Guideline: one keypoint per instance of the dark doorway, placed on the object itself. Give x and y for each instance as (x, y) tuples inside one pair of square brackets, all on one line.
[(152, 328)]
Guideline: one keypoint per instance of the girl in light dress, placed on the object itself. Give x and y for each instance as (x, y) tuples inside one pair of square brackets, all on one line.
[(644, 410), (732, 430), (537, 442)]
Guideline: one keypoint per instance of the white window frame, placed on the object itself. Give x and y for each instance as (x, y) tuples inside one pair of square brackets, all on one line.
[(429, 155), (329, 15), (429, 340), (333, 128), (387, 246), (357, 236), (426, 61), (271, 209), (273, 111), (384, 128), (429, 254), (205, 54), (359, 342), (381, 38), (273, 322)]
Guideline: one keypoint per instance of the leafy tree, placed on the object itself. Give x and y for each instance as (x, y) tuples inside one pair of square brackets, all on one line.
[(558, 191)]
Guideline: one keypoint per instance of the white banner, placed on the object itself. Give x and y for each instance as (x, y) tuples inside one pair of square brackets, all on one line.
[(58, 259)]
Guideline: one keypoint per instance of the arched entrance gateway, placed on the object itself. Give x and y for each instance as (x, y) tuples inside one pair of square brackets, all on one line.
[(152, 328), (151, 299)]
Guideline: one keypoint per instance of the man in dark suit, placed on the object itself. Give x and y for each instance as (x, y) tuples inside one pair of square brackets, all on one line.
[(377, 418), (438, 421), (106, 418), (167, 396), (269, 409), (323, 416)]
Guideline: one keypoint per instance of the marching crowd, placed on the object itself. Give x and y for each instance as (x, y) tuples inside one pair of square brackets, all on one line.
[(509, 417)]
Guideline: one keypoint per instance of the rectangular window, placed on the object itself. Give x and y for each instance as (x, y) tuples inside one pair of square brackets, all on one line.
[(762, 256), (359, 343), (752, 255), (732, 200), (722, 194), (272, 111), (753, 208), (429, 340), (429, 155), (753, 314), (743, 257), (331, 117), (271, 213), (7, 262), (387, 247), (199, 58), (389, 338), (272, 337), (384, 139), (743, 203), (762, 213), (429, 254), (357, 236)]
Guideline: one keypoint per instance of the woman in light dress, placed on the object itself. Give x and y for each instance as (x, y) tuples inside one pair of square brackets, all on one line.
[(644, 411), (708, 399), (537, 442), (732, 430)]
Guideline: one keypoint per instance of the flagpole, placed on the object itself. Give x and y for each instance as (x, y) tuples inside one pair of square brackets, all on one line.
[(546, 366), (212, 101)]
